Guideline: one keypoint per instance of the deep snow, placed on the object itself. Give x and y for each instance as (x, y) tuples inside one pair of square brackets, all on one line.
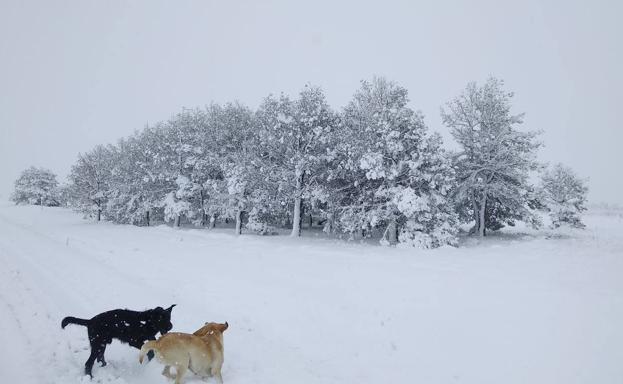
[(518, 307)]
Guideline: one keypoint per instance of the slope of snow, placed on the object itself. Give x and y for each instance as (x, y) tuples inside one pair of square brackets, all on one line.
[(518, 307)]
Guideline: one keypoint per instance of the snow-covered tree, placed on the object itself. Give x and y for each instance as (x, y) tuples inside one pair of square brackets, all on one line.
[(294, 136), (392, 174), (145, 169), (564, 195), (37, 186), (137, 185), (177, 146), (202, 160), (64, 195), (126, 201), (175, 159), (90, 181), (236, 150), (495, 160)]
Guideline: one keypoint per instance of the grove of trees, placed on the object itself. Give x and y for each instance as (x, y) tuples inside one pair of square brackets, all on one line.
[(372, 169)]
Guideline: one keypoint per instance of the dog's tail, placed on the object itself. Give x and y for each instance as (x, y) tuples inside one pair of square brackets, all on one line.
[(146, 348), (73, 320)]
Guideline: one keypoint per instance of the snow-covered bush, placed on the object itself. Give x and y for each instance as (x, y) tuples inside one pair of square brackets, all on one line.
[(255, 224), (174, 208), (37, 186), (564, 195)]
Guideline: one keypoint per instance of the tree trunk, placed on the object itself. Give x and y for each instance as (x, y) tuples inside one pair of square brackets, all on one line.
[(476, 226), (147, 218), (392, 232), (177, 221), (99, 214), (296, 219), (311, 221), (328, 226), (212, 222), (203, 212), (238, 222), (481, 218)]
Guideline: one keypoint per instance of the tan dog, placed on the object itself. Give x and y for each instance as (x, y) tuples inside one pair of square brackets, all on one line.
[(201, 352)]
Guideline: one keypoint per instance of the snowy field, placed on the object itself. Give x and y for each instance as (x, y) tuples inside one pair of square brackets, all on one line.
[(515, 308)]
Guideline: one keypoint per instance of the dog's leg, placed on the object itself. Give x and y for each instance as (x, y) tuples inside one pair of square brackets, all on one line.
[(180, 370), (101, 359), (167, 372), (219, 378), (97, 353), (216, 371), (88, 366), (206, 374)]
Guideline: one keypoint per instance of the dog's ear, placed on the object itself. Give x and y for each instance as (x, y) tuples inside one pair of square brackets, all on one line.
[(170, 308)]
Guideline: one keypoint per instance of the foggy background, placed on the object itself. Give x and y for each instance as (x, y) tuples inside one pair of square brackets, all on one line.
[(74, 74)]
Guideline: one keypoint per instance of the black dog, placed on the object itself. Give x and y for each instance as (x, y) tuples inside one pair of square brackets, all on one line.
[(127, 326)]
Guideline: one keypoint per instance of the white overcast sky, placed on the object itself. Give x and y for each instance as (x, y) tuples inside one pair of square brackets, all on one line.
[(74, 74)]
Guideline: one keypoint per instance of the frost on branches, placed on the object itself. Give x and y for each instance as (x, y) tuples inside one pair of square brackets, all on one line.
[(393, 175), (564, 196), (495, 160)]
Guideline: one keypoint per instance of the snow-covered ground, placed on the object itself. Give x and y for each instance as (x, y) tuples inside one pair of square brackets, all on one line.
[(515, 308)]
